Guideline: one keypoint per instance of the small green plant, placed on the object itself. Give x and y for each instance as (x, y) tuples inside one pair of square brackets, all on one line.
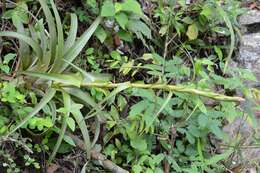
[(4, 66), (31, 162), (169, 96), (8, 163)]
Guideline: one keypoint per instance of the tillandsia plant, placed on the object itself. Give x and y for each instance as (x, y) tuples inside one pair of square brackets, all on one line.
[(160, 107), (46, 51)]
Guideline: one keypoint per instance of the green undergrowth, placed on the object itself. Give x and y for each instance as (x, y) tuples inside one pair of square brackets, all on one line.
[(147, 84)]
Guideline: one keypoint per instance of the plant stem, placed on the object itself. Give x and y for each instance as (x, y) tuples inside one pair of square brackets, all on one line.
[(174, 88)]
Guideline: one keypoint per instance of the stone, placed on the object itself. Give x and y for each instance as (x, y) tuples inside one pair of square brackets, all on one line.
[(251, 17), (249, 53), (242, 131)]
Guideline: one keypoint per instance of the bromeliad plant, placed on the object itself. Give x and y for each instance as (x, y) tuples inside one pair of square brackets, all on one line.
[(45, 55), (46, 51)]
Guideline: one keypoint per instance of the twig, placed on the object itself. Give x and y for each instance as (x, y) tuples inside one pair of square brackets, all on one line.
[(6, 139), (174, 88), (103, 161)]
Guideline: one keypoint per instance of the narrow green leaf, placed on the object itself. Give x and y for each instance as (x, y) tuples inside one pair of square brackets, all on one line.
[(67, 105), (51, 26), (97, 132), (224, 15), (26, 39), (79, 45), (68, 79), (84, 97), (91, 77), (72, 33), (160, 110), (84, 129), (60, 45)]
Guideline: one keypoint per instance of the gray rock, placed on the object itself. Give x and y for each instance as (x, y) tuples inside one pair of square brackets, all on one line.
[(240, 131), (251, 17), (249, 53)]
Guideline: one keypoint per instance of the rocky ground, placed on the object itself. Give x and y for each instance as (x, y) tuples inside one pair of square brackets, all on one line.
[(248, 153)]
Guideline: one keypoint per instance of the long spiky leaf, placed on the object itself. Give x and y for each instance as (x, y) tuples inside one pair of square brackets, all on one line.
[(72, 33), (79, 45), (51, 26), (26, 39), (67, 105)]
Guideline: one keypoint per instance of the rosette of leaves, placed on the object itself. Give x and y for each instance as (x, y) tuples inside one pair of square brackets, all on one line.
[(44, 51)]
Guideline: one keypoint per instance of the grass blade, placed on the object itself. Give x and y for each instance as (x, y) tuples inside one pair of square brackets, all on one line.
[(50, 93), (232, 34)]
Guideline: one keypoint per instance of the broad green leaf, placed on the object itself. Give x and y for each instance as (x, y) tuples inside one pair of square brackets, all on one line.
[(108, 9), (122, 19), (71, 123), (139, 143), (139, 27), (5, 68), (192, 32), (207, 11), (163, 30), (217, 131), (132, 6), (203, 120), (101, 34), (201, 105), (137, 169), (138, 108), (8, 58), (248, 75)]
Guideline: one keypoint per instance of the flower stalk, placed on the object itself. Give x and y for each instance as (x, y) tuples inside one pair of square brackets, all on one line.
[(165, 87)]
